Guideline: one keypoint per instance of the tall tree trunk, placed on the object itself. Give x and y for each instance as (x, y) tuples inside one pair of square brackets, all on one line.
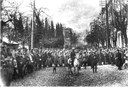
[(0, 20), (125, 37), (122, 39), (115, 39), (109, 44)]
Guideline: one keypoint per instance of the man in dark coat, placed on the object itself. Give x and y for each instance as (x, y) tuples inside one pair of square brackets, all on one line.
[(119, 61), (72, 55), (94, 62)]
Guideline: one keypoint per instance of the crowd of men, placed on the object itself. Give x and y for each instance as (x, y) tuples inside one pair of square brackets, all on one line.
[(16, 63)]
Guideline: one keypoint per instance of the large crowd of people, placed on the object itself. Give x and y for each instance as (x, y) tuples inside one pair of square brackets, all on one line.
[(16, 63)]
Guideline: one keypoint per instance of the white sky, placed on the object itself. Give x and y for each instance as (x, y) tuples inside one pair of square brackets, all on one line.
[(76, 14)]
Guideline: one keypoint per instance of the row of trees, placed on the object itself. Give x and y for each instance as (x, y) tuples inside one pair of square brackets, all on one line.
[(17, 27), (115, 14), (97, 34)]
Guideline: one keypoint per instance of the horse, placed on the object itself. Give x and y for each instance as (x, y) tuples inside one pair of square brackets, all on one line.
[(76, 65)]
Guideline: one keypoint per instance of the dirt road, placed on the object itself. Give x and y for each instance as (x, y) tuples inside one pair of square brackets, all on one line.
[(107, 75)]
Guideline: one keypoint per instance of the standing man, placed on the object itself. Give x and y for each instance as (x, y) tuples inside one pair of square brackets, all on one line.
[(70, 65), (119, 61), (94, 62), (72, 55), (85, 59)]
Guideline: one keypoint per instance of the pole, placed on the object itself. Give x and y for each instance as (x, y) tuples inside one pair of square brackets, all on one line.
[(113, 4), (32, 32)]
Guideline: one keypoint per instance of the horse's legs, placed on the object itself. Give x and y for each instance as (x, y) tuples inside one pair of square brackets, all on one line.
[(74, 69), (93, 68), (85, 65), (78, 70), (71, 70), (96, 68)]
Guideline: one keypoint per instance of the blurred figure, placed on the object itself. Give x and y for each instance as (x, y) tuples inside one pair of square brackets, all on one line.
[(72, 55), (119, 61), (54, 68), (70, 66), (94, 62)]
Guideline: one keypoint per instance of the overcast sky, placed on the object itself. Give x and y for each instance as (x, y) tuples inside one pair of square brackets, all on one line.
[(76, 14)]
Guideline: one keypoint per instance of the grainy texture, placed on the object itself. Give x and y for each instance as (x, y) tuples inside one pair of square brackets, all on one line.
[(107, 76)]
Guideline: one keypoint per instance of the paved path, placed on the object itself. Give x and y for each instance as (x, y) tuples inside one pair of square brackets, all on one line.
[(107, 76)]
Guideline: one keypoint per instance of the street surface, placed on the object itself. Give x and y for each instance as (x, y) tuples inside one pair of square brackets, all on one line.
[(107, 76)]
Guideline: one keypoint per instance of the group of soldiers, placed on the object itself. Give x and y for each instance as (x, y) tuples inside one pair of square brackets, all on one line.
[(100, 56), (16, 63)]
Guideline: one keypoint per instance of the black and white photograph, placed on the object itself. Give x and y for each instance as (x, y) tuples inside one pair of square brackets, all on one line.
[(64, 43)]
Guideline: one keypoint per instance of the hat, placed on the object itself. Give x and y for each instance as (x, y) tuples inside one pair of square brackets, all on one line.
[(73, 48)]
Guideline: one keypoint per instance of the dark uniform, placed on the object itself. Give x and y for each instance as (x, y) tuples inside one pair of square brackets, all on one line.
[(119, 61), (94, 62), (73, 56)]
